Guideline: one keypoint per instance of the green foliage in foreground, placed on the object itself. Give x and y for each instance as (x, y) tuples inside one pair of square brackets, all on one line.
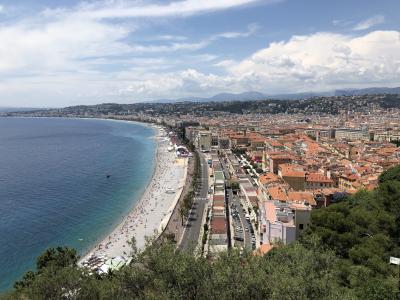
[(162, 272), (391, 174), (343, 255)]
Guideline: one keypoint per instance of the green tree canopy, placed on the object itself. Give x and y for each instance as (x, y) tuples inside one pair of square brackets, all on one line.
[(390, 174)]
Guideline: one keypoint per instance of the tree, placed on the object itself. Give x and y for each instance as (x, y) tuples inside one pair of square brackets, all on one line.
[(235, 185), (26, 281), (390, 174), (58, 257), (182, 212), (134, 248), (259, 170)]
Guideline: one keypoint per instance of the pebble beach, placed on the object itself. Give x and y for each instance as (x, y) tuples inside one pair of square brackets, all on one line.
[(153, 210)]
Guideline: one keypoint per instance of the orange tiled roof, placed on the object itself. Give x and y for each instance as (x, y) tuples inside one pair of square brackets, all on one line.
[(263, 249), (317, 177), (291, 170), (275, 143), (268, 178), (277, 193), (302, 197)]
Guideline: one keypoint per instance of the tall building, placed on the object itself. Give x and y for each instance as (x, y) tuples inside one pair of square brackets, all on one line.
[(203, 140)]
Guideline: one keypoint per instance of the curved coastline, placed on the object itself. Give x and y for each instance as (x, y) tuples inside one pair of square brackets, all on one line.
[(157, 131), (120, 195), (153, 207)]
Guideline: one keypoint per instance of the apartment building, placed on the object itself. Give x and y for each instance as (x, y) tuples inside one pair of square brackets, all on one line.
[(277, 223), (352, 134), (294, 175), (203, 140), (317, 181)]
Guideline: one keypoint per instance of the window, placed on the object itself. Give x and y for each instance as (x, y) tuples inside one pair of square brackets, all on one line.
[(301, 226)]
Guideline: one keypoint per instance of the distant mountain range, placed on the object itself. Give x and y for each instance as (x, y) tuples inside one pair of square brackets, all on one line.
[(247, 96), (369, 91), (252, 96), (18, 109)]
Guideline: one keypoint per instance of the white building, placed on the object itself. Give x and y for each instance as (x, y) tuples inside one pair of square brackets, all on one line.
[(277, 223), (203, 140)]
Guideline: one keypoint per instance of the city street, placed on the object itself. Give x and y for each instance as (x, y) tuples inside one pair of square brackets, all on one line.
[(194, 223), (240, 221)]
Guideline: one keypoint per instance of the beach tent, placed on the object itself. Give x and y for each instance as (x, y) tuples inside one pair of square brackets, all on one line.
[(114, 263), (103, 269)]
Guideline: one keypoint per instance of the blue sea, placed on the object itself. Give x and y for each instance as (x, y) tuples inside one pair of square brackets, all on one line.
[(54, 188)]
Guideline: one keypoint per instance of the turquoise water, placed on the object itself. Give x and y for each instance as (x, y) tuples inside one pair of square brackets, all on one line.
[(54, 188)]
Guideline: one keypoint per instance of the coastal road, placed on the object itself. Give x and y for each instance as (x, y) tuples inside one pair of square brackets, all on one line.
[(193, 226)]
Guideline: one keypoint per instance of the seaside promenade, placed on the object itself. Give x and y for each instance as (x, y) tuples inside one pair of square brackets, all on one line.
[(191, 234), (175, 226)]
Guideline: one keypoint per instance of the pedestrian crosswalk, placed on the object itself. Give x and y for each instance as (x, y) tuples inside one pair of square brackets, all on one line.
[(201, 199)]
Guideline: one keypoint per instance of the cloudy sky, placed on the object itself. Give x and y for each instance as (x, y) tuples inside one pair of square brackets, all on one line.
[(66, 52)]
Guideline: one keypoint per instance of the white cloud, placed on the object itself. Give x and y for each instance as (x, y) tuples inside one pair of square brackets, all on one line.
[(324, 60), (57, 45), (68, 56), (226, 63), (251, 29), (342, 23), (188, 82), (59, 56), (167, 37), (366, 24), (170, 47), (321, 61), (1, 8), (129, 9), (203, 57), (73, 44)]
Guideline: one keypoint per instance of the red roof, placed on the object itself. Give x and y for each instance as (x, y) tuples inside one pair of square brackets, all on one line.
[(317, 177)]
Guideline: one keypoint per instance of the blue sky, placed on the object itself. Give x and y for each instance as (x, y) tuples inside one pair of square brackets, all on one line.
[(58, 53)]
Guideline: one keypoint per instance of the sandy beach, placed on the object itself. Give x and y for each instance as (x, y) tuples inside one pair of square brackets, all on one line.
[(153, 210)]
